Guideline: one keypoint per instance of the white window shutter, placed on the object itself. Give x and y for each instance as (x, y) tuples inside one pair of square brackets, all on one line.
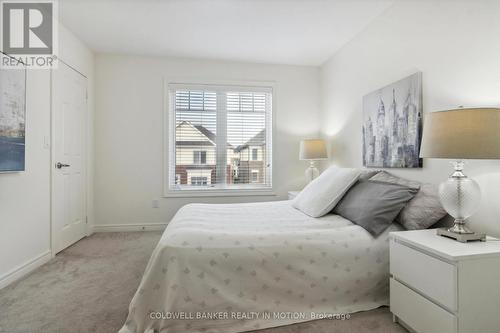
[(231, 127)]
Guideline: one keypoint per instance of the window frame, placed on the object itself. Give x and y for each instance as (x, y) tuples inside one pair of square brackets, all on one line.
[(256, 156), (202, 155), (198, 179), (169, 136), (253, 173)]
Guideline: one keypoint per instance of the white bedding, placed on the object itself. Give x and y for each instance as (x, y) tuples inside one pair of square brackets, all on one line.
[(249, 260)]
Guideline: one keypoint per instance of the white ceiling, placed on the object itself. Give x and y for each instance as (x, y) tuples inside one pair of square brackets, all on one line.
[(300, 32)]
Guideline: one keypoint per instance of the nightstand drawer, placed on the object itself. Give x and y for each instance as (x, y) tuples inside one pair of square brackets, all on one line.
[(434, 278), (419, 313)]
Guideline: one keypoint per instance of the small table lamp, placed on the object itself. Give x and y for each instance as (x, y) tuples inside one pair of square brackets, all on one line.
[(461, 134), (312, 150)]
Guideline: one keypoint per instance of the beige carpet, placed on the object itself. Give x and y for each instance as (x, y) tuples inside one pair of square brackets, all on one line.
[(87, 288)]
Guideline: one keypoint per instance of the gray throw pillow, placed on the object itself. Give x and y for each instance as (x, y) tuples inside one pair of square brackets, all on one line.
[(384, 176), (367, 174), (424, 210), (374, 205)]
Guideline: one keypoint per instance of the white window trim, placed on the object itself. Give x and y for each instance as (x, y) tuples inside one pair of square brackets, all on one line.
[(256, 156), (167, 142), (253, 172), (200, 156)]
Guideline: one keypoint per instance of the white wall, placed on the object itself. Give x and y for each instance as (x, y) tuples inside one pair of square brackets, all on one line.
[(129, 130), (457, 47), (25, 196)]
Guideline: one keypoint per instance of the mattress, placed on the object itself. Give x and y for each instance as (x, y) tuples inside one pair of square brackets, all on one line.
[(236, 267)]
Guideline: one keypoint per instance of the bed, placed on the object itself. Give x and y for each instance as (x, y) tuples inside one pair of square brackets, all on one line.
[(236, 267)]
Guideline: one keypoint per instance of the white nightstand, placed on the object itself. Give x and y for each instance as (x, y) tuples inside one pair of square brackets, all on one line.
[(441, 285), (292, 194)]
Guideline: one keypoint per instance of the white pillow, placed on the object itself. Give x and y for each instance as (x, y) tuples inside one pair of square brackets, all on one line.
[(322, 194)]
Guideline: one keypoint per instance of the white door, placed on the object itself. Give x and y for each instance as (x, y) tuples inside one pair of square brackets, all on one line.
[(69, 109)]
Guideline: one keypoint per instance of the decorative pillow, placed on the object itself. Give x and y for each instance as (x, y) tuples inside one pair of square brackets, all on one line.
[(367, 174), (386, 177), (374, 205), (323, 193), (424, 210)]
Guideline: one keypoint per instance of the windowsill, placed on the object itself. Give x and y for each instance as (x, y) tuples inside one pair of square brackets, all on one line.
[(188, 193)]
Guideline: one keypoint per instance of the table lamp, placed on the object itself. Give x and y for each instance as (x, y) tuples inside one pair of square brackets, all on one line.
[(461, 134), (312, 150)]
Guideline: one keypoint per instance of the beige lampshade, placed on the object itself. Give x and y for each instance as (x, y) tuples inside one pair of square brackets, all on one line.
[(314, 149), (462, 133)]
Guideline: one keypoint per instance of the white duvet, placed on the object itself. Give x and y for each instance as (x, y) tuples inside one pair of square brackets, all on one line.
[(238, 267)]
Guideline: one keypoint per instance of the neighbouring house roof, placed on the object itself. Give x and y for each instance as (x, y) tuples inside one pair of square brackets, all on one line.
[(258, 139), (209, 134), (203, 130)]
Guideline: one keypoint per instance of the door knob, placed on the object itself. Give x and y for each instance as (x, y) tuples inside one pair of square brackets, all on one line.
[(60, 165)]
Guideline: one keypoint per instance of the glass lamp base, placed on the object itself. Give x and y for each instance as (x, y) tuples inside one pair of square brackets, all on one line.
[(312, 172), (460, 197), (464, 238), (460, 228)]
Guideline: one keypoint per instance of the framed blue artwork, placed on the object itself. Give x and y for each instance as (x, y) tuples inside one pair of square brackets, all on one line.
[(12, 118)]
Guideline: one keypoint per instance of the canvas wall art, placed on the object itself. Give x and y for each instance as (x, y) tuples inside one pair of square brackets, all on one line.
[(12, 119), (392, 125)]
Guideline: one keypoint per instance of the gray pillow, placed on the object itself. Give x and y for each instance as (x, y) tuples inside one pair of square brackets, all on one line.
[(367, 174), (424, 210), (384, 176), (374, 205)]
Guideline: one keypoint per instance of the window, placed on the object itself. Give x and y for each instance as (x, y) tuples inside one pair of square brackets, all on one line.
[(255, 154), (220, 138), (199, 157), (199, 181), (255, 176)]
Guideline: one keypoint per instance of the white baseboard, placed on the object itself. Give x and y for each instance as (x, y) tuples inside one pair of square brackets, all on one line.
[(24, 269), (129, 227)]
